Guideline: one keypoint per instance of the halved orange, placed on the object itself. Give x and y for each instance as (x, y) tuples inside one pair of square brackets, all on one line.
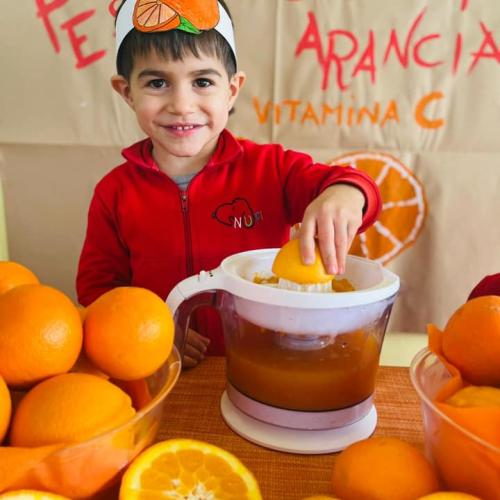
[(185, 468), (404, 206), (31, 495), (288, 265)]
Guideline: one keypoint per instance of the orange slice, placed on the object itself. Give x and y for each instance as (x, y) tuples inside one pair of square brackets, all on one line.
[(404, 206), (184, 468), (154, 15), (31, 495)]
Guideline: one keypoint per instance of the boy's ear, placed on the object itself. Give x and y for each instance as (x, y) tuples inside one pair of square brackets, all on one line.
[(121, 85), (235, 85)]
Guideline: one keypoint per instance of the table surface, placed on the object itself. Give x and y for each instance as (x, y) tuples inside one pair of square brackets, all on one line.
[(192, 411)]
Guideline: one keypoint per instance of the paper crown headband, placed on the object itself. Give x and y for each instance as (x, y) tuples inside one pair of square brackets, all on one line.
[(193, 16)]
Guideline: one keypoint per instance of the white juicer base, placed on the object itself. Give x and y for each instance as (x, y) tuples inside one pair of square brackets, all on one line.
[(307, 442)]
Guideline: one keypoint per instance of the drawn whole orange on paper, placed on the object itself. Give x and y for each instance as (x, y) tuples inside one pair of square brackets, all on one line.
[(164, 15), (404, 207)]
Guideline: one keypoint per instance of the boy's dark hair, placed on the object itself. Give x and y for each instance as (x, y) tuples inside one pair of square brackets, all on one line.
[(174, 44)]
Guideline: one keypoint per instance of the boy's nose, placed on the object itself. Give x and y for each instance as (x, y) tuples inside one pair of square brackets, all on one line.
[(181, 102)]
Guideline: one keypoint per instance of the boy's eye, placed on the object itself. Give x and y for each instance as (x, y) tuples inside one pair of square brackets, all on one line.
[(203, 82), (157, 83)]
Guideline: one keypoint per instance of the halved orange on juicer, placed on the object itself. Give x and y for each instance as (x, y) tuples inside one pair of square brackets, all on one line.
[(288, 266)]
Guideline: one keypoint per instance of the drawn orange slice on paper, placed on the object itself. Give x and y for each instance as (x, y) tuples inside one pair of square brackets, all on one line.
[(404, 206), (164, 15), (154, 15)]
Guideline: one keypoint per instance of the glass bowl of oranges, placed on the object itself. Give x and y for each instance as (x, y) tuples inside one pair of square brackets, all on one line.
[(87, 468), (81, 389), (461, 430)]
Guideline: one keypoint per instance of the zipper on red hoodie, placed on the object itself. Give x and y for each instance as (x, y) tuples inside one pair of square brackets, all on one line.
[(187, 233)]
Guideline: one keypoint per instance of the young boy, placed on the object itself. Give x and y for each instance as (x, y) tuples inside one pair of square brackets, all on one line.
[(191, 194)]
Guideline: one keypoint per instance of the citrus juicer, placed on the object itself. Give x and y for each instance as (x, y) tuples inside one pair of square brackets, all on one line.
[(300, 366)]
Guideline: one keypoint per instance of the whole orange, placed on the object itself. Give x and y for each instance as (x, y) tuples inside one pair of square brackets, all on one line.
[(471, 340), (128, 332), (5, 408), (382, 468), (40, 334), (69, 408), (13, 274)]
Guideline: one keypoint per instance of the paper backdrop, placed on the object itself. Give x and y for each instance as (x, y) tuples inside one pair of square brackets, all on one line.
[(408, 90)]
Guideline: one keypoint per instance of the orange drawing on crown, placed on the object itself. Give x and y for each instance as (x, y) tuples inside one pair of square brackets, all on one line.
[(163, 15)]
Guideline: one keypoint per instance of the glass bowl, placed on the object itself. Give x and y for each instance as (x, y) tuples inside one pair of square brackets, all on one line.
[(463, 461), (86, 469)]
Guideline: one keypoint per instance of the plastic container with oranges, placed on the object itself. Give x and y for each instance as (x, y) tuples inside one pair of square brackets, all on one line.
[(464, 461)]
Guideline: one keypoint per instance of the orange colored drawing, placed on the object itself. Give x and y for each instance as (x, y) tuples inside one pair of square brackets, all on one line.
[(165, 15), (154, 15), (203, 14), (404, 206)]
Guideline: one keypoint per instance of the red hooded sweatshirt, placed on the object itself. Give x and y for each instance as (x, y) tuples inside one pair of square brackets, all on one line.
[(144, 231)]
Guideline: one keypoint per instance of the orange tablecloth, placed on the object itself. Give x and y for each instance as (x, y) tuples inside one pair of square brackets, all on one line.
[(192, 411)]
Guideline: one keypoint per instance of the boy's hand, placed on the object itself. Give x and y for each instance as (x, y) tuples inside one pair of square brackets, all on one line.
[(194, 351), (334, 217)]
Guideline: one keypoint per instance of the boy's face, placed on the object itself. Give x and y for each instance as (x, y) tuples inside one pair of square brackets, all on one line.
[(183, 105)]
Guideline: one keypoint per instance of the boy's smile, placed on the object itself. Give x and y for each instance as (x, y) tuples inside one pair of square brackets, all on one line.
[(181, 105)]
